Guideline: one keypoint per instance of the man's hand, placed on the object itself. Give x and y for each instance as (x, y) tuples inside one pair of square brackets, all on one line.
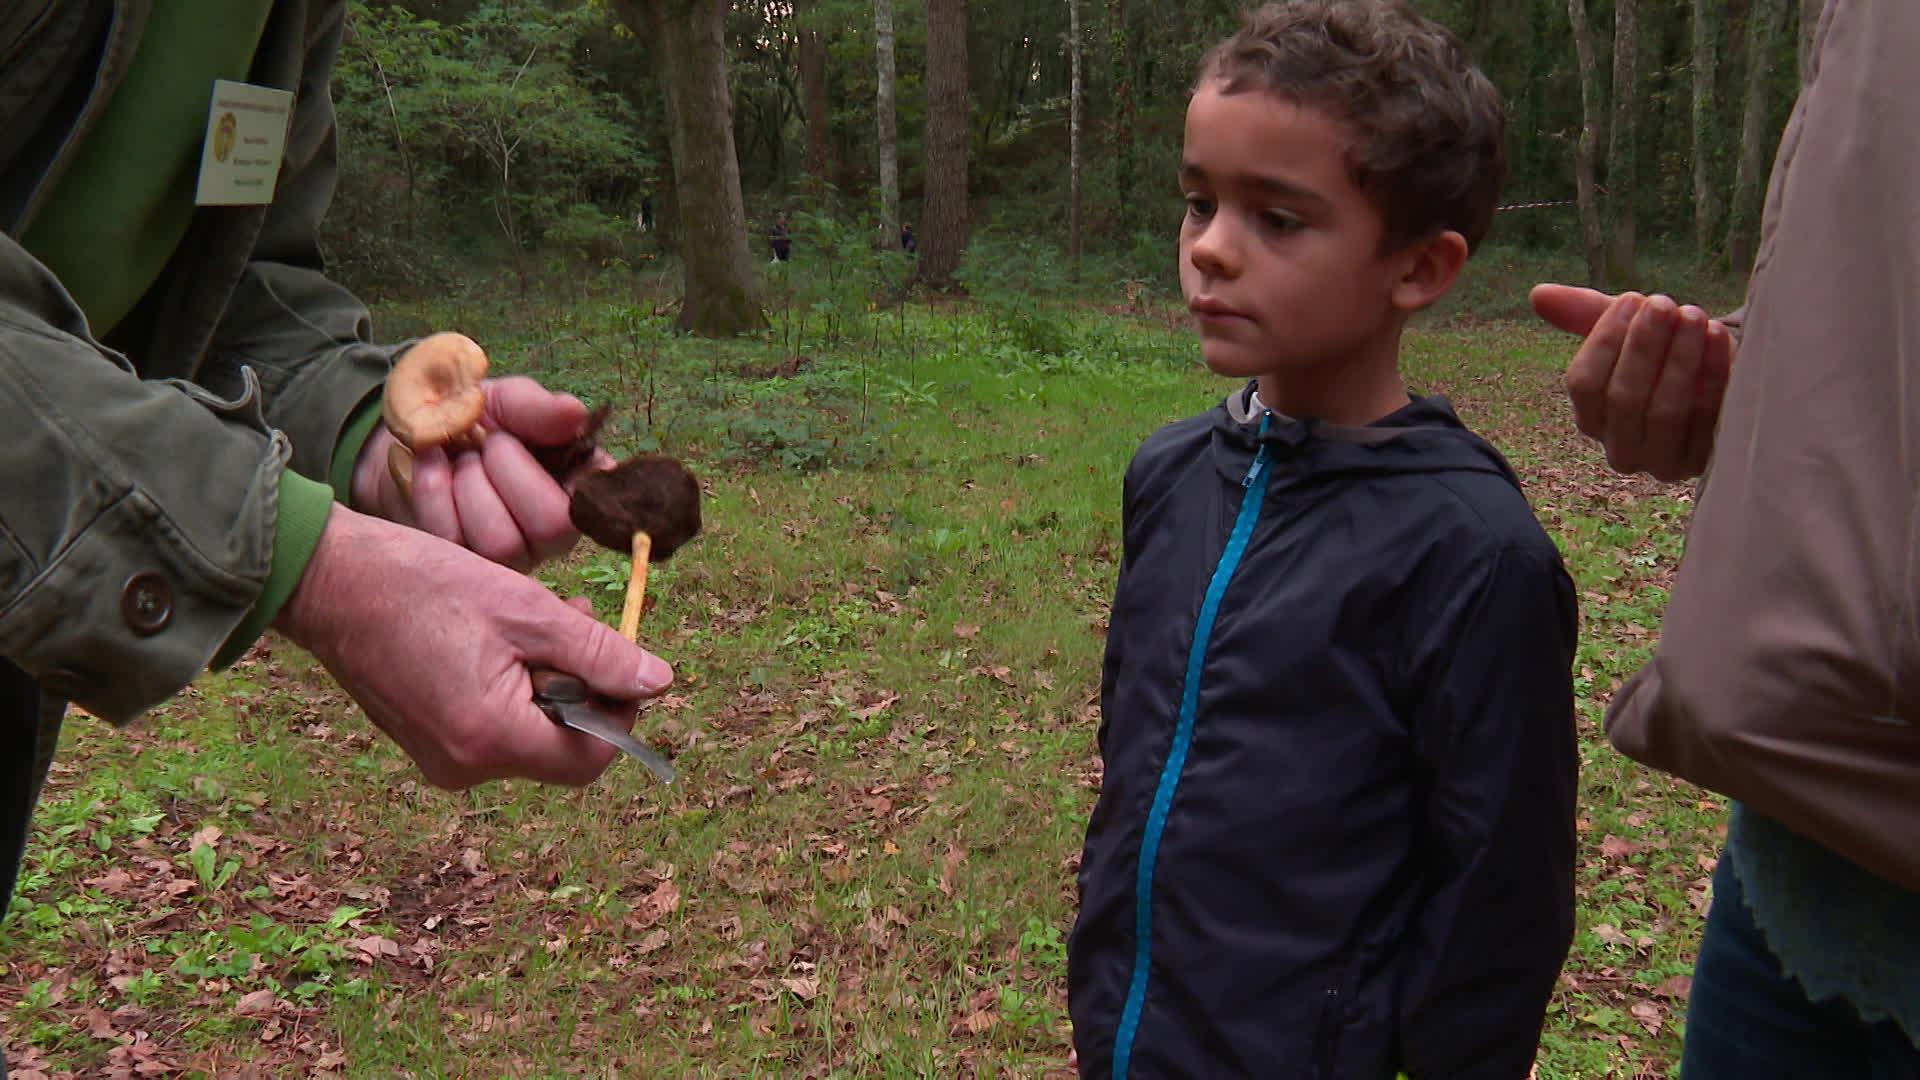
[(435, 642), (1647, 381), (497, 500)]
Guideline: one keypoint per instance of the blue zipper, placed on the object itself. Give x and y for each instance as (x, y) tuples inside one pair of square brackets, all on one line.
[(1255, 484)]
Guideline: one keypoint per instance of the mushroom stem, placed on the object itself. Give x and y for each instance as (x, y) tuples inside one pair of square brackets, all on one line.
[(400, 467), (636, 587)]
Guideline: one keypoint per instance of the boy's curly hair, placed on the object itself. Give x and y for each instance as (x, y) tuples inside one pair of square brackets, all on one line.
[(1431, 147)]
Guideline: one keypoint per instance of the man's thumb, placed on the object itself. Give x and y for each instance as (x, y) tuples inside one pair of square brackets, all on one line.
[(609, 664)]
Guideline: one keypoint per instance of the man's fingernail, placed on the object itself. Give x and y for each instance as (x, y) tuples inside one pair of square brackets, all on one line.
[(655, 675)]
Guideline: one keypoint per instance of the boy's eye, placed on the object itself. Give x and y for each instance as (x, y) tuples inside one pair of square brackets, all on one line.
[(1199, 206), (1282, 222)]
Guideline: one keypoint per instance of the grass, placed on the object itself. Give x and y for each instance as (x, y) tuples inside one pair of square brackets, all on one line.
[(887, 646)]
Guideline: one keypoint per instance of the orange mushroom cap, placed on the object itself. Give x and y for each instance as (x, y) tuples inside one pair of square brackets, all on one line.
[(433, 396)]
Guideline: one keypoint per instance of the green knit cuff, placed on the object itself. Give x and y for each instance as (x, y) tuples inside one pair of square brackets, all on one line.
[(301, 513), (347, 451)]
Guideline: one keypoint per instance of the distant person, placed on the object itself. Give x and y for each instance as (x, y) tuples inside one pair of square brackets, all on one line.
[(194, 448), (780, 239), (907, 242), (1335, 835), (646, 213), (1810, 963)]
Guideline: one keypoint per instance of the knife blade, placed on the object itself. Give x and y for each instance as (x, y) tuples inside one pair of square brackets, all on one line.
[(566, 702)]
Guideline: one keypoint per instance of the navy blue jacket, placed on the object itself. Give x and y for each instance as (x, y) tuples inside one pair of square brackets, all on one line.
[(1335, 836)]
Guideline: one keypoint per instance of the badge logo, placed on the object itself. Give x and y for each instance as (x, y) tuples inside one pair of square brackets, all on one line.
[(223, 134)]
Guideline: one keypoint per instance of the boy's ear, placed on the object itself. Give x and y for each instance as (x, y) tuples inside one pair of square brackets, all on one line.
[(1427, 270)]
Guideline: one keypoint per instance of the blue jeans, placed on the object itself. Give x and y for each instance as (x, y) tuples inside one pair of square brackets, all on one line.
[(1749, 1020)]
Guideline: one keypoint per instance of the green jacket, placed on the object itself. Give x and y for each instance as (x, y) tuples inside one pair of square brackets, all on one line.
[(141, 473)]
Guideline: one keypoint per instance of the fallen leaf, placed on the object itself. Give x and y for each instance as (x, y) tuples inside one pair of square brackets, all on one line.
[(949, 864), (374, 946), (207, 837), (1611, 934), (115, 882), (806, 988), (658, 904), (652, 943), (977, 1022), (868, 712), (965, 630), (1651, 1016), (257, 1003), (1677, 988), (1615, 848)]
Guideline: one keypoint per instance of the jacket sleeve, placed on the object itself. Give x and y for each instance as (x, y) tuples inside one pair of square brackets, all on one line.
[(137, 531), (1497, 770), (137, 525)]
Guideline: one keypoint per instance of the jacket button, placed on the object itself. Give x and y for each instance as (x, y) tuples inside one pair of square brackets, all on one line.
[(146, 603)]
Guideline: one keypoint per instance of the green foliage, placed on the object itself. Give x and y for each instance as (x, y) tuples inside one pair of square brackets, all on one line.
[(608, 572), (488, 125), (841, 272), (207, 867)]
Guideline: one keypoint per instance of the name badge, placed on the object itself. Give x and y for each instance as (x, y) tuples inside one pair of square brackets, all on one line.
[(246, 138)]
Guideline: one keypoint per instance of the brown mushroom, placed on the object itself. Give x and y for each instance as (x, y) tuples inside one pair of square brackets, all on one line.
[(649, 505), (646, 506), (434, 398)]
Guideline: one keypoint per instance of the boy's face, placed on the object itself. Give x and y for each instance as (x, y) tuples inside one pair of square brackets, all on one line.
[(1280, 254)]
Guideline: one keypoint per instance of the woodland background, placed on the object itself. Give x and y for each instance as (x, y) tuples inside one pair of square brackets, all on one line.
[(887, 642), (526, 133)]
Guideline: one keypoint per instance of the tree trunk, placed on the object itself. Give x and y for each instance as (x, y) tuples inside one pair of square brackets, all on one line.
[(943, 230), (1589, 143), (690, 56), (1623, 155), (1706, 191), (1073, 139), (883, 107), (1763, 24), (1123, 115), (1809, 26), (813, 87)]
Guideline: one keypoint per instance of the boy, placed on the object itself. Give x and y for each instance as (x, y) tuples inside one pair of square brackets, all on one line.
[(1335, 837)]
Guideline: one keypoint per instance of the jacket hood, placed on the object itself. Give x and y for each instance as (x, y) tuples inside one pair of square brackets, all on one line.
[(1424, 436)]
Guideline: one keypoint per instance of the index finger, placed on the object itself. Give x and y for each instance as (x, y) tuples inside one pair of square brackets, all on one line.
[(1630, 390), (537, 504), (1592, 368)]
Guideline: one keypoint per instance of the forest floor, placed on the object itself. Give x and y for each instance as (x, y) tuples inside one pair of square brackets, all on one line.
[(887, 645)]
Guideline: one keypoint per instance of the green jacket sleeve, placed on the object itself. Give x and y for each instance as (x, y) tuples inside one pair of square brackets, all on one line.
[(138, 527)]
